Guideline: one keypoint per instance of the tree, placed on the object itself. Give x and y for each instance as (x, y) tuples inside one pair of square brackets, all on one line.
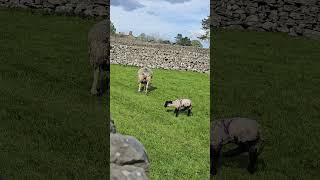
[(142, 37), (113, 29), (178, 38), (165, 42), (206, 28), (150, 38), (196, 43), (183, 41)]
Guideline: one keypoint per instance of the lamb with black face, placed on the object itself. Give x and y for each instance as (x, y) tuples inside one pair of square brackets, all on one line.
[(180, 105)]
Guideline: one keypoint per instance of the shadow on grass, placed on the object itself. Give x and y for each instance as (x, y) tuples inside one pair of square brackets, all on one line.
[(150, 90), (241, 161), (181, 111)]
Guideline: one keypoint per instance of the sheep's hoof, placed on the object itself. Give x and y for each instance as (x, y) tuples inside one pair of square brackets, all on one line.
[(213, 171), (94, 92), (251, 169)]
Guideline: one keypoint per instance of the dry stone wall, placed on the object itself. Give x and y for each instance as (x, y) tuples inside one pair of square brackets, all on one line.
[(128, 51), (76, 7), (296, 17)]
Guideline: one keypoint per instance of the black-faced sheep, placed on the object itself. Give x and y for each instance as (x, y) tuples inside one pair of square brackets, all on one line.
[(98, 46), (243, 132), (180, 105), (144, 77)]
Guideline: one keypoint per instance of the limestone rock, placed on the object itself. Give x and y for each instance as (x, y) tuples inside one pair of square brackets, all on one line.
[(127, 172)]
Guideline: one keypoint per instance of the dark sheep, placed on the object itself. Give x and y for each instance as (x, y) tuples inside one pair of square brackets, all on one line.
[(98, 46), (243, 132)]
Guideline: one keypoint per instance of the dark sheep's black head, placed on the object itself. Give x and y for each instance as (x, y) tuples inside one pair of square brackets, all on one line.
[(167, 103)]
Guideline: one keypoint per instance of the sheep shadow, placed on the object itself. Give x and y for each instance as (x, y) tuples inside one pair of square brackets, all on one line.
[(150, 89), (182, 111), (240, 161)]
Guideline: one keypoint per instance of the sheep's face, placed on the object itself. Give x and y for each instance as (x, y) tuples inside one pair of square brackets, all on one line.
[(167, 103)]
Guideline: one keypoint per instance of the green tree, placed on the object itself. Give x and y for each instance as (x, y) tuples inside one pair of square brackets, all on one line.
[(196, 43), (142, 37), (113, 29), (150, 38), (183, 41), (178, 38), (206, 27)]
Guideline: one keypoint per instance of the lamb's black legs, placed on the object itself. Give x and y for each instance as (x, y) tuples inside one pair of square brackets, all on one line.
[(214, 158), (253, 157), (189, 112), (177, 112)]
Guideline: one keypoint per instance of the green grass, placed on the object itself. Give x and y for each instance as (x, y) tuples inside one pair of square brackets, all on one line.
[(178, 147), (274, 78), (50, 126)]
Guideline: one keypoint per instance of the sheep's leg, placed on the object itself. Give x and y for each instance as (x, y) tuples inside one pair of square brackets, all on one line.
[(101, 80), (214, 159), (253, 157), (189, 112), (96, 73), (108, 81), (147, 86), (139, 87), (177, 112)]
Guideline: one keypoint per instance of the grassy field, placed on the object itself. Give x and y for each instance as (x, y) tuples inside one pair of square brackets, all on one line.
[(177, 146), (276, 79), (50, 126)]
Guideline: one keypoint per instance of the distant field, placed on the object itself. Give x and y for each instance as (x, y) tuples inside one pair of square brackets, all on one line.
[(274, 78), (178, 147), (50, 126)]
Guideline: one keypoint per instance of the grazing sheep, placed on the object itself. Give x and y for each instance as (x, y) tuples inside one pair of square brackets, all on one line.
[(241, 131), (98, 45), (144, 77), (180, 104)]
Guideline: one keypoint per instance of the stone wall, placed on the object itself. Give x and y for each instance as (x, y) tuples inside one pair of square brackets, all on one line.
[(129, 51), (296, 17), (76, 7)]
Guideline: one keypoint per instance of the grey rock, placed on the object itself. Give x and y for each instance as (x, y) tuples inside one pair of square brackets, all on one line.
[(252, 19), (268, 25), (311, 34), (26, 2), (127, 150), (127, 172), (57, 2), (100, 11), (64, 9), (80, 8), (283, 29)]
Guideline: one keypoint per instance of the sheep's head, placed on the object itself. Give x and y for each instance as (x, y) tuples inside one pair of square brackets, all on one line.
[(167, 103)]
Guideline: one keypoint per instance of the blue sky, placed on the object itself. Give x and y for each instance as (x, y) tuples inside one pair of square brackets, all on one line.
[(160, 18)]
